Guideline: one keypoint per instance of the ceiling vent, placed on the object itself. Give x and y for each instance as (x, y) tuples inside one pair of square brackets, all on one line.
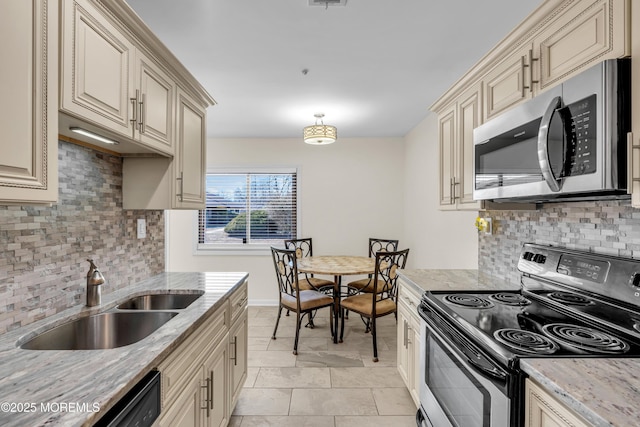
[(327, 3)]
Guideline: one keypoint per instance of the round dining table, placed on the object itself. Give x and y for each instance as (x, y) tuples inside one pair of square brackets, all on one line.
[(337, 266)]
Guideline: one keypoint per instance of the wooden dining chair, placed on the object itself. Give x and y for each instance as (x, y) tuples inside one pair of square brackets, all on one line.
[(375, 245), (292, 297), (383, 302), (304, 248)]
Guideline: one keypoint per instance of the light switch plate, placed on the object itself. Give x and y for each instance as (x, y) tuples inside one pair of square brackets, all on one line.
[(142, 228)]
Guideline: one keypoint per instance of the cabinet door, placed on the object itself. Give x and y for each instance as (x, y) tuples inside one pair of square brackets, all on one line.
[(469, 117), (416, 343), (28, 108), (542, 410), (216, 393), (403, 343), (155, 92), (238, 346), (447, 144), (186, 410), (189, 163), (509, 83), (96, 59), (584, 34)]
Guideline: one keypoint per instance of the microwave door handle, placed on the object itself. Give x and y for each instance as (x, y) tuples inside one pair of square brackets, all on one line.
[(543, 145)]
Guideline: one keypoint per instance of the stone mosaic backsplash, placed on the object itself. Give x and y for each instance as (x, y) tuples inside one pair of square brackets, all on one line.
[(605, 227), (43, 250)]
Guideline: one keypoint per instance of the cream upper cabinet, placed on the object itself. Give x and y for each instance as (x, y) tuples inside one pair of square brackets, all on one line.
[(110, 83), (96, 68), (509, 83), (190, 162), (155, 100), (456, 124), (28, 108), (178, 183), (558, 40), (584, 33), (543, 410)]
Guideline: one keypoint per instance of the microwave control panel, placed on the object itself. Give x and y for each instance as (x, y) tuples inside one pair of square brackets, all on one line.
[(580, 132)]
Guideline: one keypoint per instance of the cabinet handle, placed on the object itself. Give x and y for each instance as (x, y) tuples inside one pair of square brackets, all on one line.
[(134, 107), (452, 190), (406, 334), (531, 81), (242, 302), (143, 112), (181, 194), (211, 388), (206, 400), (235, 351)]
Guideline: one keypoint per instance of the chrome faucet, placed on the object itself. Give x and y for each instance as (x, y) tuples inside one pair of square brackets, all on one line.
[(94, 280)]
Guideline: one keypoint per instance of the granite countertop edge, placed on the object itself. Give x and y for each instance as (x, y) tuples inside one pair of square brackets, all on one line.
[(600, 390), (30, 379)]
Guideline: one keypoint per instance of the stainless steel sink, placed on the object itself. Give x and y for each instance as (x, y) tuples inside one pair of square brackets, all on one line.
[(100, 331), (160, 301)]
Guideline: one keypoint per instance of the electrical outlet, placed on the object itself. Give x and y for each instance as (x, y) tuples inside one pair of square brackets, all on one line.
[(142, 228)]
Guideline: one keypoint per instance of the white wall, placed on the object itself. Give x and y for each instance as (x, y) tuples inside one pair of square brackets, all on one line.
[(349, 191), (438, 239)]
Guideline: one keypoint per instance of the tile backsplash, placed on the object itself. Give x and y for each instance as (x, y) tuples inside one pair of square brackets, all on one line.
[(43, 249), (606, 227)]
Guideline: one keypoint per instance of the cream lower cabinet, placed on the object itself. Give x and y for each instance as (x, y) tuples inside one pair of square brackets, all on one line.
[(409, 340), (28, 108), (543, 410), (203, 377)]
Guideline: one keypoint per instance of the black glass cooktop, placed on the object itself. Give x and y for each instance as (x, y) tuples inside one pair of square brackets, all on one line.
[(521, 324)]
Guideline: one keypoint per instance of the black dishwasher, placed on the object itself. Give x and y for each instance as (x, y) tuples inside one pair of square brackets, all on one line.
[(140, 407)]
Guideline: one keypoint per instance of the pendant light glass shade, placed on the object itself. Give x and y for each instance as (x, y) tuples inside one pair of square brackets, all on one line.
[(320, 134)]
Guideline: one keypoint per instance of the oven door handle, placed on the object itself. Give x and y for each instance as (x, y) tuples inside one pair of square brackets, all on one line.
[(543, 145)]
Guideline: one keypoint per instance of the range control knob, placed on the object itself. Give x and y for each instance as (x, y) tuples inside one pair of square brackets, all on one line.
[(528, 256)]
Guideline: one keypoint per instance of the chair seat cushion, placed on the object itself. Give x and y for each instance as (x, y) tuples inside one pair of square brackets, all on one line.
[(309, 300), (363, 304), (312, 283)]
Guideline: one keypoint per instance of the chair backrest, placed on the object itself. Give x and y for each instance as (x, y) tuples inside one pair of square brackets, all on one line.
[(303, 247), (285, 263), (377, 245), (386, 273)]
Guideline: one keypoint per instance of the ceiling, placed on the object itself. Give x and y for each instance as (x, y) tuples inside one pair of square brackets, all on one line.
[(373, 66)]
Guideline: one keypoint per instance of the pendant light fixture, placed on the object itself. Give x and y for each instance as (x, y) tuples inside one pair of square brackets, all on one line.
[(320, 134)]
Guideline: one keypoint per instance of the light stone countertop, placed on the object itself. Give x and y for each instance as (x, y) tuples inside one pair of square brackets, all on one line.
[(454, 280), (604, 391), (102, 377)]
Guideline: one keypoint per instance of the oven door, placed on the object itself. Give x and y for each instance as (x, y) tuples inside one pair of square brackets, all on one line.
[(459, 385)]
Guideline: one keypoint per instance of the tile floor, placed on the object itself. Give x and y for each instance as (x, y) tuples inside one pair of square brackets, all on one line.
[(326, 384)]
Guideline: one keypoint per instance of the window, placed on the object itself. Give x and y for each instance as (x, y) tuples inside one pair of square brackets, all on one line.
[(246, 211)]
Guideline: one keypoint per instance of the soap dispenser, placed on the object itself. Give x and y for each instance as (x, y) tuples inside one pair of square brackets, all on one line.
[(94, 281)]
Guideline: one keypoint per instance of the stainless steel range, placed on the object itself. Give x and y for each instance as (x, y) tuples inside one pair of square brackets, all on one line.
[(569, 304)]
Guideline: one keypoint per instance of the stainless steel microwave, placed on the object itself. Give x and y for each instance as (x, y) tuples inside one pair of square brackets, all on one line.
[(567, 142)]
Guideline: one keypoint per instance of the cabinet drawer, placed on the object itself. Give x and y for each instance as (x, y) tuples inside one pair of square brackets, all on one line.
[(179, 367), (238, 302), (408, 297)]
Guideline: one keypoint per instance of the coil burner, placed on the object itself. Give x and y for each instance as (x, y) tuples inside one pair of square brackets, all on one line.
[(585, 339), (510, 299), (569, 298), (467, 301), (525, 341)]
